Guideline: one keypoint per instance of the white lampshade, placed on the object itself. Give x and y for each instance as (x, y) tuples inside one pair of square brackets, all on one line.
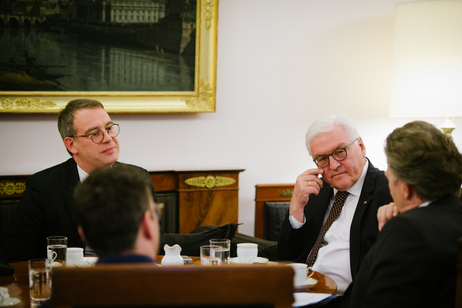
[(427, 64)]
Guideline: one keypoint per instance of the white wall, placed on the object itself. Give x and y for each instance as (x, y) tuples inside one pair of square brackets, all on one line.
[(281, 64)]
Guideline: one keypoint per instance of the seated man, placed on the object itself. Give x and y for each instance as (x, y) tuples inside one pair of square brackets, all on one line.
[(413, 261), (334, 245), (91, 138), (117, 215)]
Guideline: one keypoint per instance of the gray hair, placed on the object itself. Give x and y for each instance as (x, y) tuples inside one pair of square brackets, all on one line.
[(328, 124)]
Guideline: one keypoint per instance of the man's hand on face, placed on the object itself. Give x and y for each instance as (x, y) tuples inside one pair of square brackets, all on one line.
[(308, 183)]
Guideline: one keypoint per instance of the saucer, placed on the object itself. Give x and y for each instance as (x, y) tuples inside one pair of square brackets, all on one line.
[(259, 260), (87, 262), (10, 302), (309, 283)]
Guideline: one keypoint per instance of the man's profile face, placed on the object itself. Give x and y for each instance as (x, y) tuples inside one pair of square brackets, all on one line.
[(86, 153), (341, 175)]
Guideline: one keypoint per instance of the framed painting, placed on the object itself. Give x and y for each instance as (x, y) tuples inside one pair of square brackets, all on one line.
[(138, 56)]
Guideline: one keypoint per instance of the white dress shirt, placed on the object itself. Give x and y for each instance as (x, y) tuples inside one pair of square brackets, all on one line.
[(333, 257)]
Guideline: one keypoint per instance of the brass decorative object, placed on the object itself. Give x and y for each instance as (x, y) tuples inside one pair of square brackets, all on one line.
[(287, 193), (210, 181), (10, 188)]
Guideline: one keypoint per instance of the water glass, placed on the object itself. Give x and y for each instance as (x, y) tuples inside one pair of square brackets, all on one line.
[(57, 248), (224, 251), (210, 255), (40, 279)]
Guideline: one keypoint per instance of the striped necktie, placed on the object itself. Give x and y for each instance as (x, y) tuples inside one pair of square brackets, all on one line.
[(340, 198)]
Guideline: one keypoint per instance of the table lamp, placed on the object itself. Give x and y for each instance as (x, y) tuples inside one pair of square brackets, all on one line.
[(427, 61)]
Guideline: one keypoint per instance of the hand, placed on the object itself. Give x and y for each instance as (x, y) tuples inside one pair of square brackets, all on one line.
[(385, 213), (307, 183)]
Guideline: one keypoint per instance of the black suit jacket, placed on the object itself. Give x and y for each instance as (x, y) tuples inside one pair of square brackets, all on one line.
[(413, 262), (295, 244), (45, 209)]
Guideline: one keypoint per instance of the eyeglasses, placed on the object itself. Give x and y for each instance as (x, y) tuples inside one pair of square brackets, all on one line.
[(339, 154), (98, 135)]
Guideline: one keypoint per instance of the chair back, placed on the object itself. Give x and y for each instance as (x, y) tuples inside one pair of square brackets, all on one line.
[(131, 285), (459, 276)]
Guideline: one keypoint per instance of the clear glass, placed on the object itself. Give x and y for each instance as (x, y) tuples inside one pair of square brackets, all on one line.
[(225, 249), (57, 248), (40, 279), (210, 255)]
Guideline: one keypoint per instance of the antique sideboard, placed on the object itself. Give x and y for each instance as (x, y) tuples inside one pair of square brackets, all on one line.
[(191, 198)]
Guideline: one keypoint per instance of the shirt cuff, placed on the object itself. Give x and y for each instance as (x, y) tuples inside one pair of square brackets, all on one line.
[(295, 223)]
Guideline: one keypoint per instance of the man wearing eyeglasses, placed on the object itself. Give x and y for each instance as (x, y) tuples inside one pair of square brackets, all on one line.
[(45, 208), (334, 236)]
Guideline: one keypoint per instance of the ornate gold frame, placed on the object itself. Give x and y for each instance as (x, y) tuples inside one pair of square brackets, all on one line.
[(202, 99)]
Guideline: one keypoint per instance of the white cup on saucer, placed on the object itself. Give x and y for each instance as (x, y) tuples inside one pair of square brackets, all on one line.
[(247, 252), (74, 256), (301, 273)]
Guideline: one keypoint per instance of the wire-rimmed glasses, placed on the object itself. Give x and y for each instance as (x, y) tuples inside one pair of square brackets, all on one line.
[(98, 135)]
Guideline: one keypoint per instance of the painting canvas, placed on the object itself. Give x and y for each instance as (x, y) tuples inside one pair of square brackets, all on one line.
[(134, 56)]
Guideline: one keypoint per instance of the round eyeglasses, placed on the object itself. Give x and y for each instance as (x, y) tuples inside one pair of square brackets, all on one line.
[(98, 135), (339, 154)]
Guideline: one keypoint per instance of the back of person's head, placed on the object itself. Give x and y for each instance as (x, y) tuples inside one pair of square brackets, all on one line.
[(426, 159), (328, 124), (110, 204), (66, 116)]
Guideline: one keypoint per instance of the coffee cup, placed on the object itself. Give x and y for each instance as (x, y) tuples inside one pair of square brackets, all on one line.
[(247, 252), (301, 273), (74, 256)]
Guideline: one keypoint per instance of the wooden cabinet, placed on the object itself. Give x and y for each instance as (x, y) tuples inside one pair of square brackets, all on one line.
[(205, 197), (194, 197)]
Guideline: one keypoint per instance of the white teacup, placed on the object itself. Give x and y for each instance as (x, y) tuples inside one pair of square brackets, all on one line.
[(74, 256), (301, 273), (247, 252)]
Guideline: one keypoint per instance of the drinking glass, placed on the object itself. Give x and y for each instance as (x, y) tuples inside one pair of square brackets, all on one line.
[(40, 279), (210, 255), (56, 248), (224, 251)]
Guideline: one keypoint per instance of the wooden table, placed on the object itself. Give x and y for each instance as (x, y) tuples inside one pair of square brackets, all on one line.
[(18, 284)]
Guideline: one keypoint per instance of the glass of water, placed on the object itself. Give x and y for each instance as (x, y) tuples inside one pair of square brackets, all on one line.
[(210, 255), (224, 251), (57, 248), (40, 279)]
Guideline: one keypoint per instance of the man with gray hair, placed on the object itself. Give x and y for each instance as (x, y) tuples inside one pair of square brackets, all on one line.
[(332, 219)]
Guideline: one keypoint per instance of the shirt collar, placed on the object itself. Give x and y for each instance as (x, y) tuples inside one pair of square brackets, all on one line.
[(82, 174)]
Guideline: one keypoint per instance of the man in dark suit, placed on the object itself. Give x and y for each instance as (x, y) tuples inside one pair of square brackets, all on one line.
[(340, 155), (45, 209), (413, 261)]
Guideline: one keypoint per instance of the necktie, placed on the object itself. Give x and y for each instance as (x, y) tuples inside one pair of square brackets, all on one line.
[(340, 197)]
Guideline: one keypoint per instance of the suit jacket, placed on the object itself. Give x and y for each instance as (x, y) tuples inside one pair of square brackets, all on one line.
[(413, 262), (45, 210), (295, 244)]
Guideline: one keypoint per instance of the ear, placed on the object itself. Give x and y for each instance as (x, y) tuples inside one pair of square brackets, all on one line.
[(407, 191), (362, 146), (69, 142), (82, 236), (146, 225)]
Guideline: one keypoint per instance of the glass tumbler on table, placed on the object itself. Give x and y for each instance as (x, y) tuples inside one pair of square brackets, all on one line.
[(40, 279), (57, 248), (224, 251)]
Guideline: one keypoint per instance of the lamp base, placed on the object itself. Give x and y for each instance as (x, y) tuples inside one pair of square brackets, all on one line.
[(447, 127)]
